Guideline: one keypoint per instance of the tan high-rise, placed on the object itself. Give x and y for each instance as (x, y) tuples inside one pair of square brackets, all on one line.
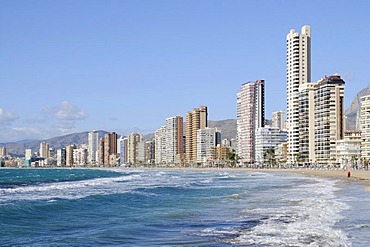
[(197, 119), (298, 72)]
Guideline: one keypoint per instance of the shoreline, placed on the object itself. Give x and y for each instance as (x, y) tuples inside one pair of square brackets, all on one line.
[(359, 176)]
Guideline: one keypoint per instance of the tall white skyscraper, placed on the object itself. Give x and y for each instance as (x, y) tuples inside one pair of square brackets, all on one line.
[(93, 147), (251, 116), (298, 71)]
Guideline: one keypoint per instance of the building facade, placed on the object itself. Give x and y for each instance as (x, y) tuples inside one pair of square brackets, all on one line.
[(44, 150), (329, 118), (93, 147), (197, 119), (365, 126), (174, 139), (267, 139), (278, 120), (298, 72), (206, 138), (349, 148), (133, 150), (250, 116), (306, 124), (160, 145)]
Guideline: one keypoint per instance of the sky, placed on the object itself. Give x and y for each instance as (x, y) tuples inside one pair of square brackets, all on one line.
[(68, 66)]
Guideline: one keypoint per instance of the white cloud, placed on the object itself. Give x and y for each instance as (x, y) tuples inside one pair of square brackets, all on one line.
[(6, 118), (68, 111), (66, 115)]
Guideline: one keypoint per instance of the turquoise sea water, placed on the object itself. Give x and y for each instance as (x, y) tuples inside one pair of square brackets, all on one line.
[(86, 207)]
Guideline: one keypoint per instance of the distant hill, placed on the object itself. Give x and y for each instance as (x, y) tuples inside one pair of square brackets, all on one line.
[(18, 148), (227, 127), (351, 111)]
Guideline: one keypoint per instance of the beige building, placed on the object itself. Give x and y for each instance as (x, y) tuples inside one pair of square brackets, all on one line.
[(197, 119), (298, 72), (133, 147), (278, 120), (69, 154), (281, 153), (2, 151), (44, 150), (364, 125), (329, 118), (160, 145), (349, 148)]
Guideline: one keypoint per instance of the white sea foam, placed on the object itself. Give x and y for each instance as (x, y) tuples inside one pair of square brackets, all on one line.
[(307, 218)]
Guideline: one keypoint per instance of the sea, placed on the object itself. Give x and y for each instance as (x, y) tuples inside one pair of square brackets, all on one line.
[(124, 207)]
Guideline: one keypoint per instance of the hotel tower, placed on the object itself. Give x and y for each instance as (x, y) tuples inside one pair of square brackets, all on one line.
[(197, 119), (298, 72), (251, 116)]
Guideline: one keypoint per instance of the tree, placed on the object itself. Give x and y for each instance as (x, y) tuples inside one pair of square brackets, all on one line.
[(269, 156)]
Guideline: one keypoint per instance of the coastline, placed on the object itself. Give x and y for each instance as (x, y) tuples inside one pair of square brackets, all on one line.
[(360, 176)]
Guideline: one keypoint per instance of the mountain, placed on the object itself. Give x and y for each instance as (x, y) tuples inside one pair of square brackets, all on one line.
[(227, 127), (18, 148), (351, 111)]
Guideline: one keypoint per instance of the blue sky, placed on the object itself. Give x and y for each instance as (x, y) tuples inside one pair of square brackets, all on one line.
[(68, 66)]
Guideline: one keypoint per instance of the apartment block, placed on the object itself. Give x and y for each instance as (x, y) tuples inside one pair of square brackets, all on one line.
[(195, 120), (250, 117), (298, 72)]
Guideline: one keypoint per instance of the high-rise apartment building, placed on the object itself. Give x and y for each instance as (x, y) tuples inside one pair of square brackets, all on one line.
[(306, 124), (197, 119), (101, 153), (69, 154), (2, 151), (28, 154), (278, 120), (250, 117), (61, 157), (364, 126), (329, 117), (206, 138), (110, 149), (174, 139), (44, 150), (298, 72), (93, 147), (160, 145), (133, 148)]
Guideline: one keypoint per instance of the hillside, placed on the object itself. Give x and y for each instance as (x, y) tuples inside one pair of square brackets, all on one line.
[(18, 148), (351, 111)]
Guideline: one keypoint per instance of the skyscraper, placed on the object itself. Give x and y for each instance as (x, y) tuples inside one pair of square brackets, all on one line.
[(298, 72), (197, 119), (93, 147), (110, 149), (160, 145), (133, 148), (44, 150), (250, 117), (329, 116), (174, 139)]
